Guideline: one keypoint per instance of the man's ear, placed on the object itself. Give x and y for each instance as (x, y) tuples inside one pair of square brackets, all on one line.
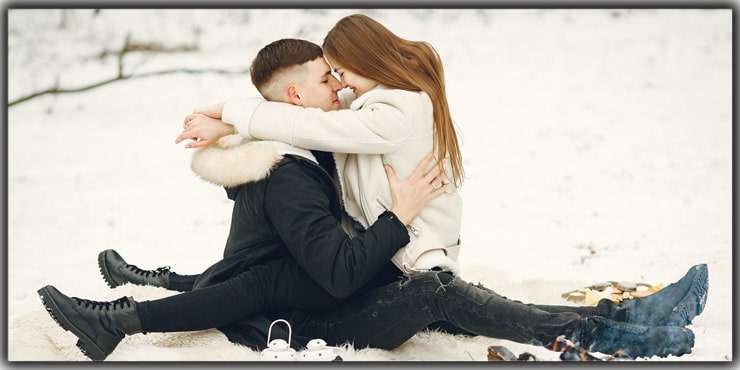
[(292, 94)]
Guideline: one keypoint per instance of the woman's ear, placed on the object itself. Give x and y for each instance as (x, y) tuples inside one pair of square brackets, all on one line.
[(292, 93)]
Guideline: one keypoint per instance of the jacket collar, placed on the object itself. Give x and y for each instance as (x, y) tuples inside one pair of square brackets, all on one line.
[(359, 102), (233, 161)]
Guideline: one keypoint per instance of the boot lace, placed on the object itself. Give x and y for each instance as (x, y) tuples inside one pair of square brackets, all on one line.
[(122, 302), (149, 273)]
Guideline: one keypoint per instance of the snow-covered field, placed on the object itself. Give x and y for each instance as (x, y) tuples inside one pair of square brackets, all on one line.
[(597, 146)]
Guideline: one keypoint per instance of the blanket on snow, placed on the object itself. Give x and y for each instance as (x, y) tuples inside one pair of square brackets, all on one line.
[(36, 337)]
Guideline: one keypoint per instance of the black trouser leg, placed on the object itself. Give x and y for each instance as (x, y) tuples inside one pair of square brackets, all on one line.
[(387, 316), (274, 285), (182, 283)]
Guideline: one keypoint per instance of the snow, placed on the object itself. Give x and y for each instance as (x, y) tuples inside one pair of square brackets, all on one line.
[(596, 142)]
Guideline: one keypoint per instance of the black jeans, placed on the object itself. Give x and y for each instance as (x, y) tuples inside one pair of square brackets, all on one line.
[(384, 317), (388, 316), (277, 284)]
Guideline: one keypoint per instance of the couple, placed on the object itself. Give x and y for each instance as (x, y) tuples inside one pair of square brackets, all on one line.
[(341, 250)]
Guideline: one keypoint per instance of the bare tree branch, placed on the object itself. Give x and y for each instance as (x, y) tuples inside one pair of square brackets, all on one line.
[(121, 77), (129, 47)]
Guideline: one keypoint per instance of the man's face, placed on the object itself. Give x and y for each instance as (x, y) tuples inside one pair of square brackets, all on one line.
[(318, 88)]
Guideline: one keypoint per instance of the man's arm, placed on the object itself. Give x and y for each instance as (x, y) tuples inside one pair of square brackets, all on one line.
[(316, 239)]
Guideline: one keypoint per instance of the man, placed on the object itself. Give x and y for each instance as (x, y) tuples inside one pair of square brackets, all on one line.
[(386, 311), (286, 247)]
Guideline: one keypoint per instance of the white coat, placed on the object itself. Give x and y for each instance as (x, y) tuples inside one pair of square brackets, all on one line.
[(382, 126)]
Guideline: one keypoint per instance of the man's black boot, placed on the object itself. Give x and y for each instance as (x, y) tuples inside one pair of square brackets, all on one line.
[(117, 272), (99, 326), (598, 334), (675, 305)]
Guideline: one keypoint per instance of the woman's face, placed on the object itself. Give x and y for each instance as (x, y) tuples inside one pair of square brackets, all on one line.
[(357, 83)]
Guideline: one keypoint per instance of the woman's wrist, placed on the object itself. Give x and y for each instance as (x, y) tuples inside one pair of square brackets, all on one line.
[(403, 215)]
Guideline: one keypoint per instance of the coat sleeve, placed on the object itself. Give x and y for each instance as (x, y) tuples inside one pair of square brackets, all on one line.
[(383, 125), (299, 208)]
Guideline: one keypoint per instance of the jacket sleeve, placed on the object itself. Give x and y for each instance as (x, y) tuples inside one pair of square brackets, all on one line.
[(383, 125), (299, 209)]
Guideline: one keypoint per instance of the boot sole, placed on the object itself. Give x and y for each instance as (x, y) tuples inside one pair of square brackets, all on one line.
[(700, 288), (704, 288), (84, 343), (105, 272)]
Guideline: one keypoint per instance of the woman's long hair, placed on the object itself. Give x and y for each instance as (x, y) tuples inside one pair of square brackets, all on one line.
[(368, 49)]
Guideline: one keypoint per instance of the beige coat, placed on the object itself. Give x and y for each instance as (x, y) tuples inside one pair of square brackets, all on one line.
[(383, 126)]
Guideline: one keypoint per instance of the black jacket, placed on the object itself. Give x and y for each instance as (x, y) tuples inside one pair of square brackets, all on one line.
[(295, 213)]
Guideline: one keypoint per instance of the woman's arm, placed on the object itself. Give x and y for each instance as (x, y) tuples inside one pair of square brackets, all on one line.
[(380, 126)]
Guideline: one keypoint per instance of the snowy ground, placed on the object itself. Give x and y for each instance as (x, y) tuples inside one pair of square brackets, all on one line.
[(597, 146)]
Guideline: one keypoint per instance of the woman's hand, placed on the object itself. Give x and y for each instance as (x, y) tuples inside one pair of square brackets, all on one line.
[(410, 196), (213, 111), (203, 130)]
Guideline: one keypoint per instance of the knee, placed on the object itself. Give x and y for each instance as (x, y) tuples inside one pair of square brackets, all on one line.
[(445, 277), (431, 281)]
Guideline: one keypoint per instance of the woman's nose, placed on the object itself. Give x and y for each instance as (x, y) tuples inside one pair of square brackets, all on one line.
[(336, 84)]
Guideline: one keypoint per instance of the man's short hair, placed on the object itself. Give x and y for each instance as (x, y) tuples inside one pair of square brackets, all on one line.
[(280, 55)]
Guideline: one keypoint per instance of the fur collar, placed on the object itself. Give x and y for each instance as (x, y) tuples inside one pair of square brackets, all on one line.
[(233, 160)]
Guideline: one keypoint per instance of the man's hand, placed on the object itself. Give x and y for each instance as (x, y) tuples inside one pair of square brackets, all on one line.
[(203, 130), (410, 196)]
